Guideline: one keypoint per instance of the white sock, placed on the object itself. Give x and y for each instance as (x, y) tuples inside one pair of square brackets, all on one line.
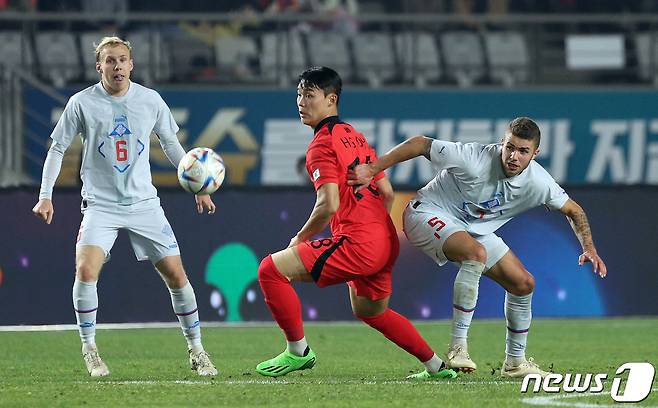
[(85, 304), (518, 313), (464, 299), (297, 347), (433, 365), (184, 302)]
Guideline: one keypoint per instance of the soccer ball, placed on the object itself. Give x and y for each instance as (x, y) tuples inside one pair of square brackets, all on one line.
[(201, 171)]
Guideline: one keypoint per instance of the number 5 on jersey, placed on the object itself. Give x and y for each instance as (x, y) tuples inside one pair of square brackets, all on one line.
[(433, 222)]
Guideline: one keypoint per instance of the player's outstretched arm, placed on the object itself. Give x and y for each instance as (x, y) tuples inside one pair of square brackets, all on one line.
[(44, 210), (326, 205), (410, 148), (578, 220)]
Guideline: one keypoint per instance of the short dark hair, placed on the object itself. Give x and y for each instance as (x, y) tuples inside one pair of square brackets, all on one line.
[(322, 78), (525, 128)]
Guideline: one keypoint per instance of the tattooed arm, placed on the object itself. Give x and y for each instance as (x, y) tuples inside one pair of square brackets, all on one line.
[(578, 220)]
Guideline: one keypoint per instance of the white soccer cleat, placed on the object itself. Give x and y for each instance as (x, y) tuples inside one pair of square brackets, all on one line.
[(458, 359), (200, 362), (94, 363), (521, 370)]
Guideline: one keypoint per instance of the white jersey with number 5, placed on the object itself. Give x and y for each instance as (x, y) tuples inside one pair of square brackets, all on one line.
[(472, 186), (115, 131)]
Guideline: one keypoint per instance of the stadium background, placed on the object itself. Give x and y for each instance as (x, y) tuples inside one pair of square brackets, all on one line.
[(455, 70)]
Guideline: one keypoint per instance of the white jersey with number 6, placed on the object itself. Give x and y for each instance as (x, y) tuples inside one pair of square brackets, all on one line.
[(115, 132)]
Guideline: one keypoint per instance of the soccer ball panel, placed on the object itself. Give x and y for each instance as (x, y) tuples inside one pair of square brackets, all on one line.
[(201, 171)]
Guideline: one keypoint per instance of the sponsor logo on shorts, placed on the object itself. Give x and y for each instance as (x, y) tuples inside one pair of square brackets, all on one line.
[(166, 229)]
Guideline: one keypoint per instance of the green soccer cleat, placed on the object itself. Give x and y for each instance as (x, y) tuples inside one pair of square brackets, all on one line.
[(285, 363), (445, 373)]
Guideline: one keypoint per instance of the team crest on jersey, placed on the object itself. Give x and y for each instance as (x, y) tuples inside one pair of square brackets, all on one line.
[(121, 130), (485, 209), (316, 174), (493, 203)]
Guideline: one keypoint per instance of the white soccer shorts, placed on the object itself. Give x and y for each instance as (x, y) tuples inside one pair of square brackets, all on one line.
[(428, 226), (150, 234)]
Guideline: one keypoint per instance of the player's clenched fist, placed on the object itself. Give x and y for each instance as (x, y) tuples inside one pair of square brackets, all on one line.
[(44, 210)]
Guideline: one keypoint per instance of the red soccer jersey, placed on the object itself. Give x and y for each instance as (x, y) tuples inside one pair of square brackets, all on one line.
[(335, 148)]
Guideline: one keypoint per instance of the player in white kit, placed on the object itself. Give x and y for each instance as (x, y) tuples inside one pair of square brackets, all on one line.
[(454, 218), (115, 118)]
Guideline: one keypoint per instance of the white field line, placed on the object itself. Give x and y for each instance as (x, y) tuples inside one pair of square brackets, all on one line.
[(167, 325), (558, 400), (285, 382), (160, 325)]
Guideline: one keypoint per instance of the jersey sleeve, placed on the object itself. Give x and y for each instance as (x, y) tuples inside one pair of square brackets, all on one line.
[(555, 196), (447, 155), (322, 164), (166, 128), (51, 168), (69, 124), (165, 124)]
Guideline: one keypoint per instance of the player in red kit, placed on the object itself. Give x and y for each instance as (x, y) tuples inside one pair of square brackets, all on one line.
[(362, 249)]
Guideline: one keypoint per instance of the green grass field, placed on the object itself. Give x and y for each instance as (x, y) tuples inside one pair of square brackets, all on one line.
[(356, 366)]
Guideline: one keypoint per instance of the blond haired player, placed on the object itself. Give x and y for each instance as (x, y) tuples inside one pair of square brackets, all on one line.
[(115, 118)]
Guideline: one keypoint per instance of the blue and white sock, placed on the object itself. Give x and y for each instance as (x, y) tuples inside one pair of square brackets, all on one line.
[(85, 304), (464, 299), (518, 314), (184, 302)]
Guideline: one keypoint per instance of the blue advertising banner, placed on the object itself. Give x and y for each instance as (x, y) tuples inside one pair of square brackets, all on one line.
[(221, 254), (588, 137)]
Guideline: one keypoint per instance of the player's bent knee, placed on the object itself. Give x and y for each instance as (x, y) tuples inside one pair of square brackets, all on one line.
[(524, 286), (267, 271), (82, 273), (288, 263), (85, 273), (176, 280), (477, 253)]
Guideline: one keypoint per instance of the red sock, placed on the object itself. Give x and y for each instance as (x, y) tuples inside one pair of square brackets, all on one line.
[(400, 331), (282, 299)]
